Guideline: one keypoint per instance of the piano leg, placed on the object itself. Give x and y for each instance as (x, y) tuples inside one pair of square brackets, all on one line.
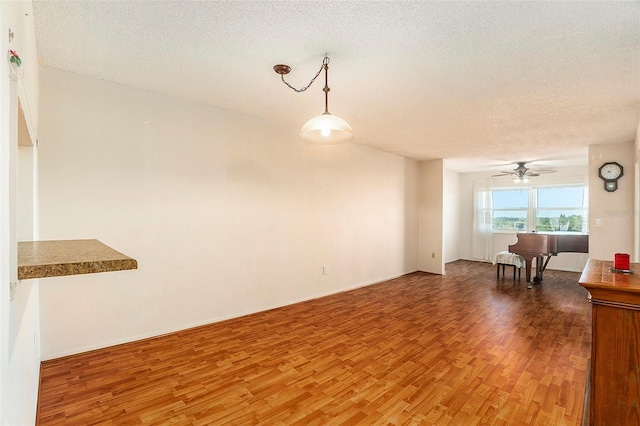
[(539, 269), (538, 277), (541, 265), (527, 268)]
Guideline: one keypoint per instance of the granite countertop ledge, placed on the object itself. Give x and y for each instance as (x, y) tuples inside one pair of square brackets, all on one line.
[(40, 259)]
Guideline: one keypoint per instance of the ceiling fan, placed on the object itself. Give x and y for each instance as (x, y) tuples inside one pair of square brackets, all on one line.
[(522, 173)]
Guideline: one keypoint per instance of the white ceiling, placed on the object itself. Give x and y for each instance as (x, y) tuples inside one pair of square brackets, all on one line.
[(476, 83)]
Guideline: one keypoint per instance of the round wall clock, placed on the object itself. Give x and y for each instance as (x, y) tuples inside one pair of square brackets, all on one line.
[(610, 173)]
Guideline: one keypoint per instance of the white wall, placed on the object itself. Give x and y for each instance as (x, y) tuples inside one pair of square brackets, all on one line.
[(19, 318), (452, 215), (501, 241), (431, 252), (7, 231), (615, 210), (636, 185), (226, 215)]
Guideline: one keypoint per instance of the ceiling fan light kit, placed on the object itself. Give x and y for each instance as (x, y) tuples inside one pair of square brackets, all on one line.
[(326, 129)]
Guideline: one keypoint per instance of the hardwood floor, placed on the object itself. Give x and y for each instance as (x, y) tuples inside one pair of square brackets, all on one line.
[(460, 349)]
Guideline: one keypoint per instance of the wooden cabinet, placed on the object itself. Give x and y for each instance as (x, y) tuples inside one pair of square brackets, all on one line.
[(614, 395)]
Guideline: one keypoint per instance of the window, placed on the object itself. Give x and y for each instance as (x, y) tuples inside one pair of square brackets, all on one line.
[(510, 209), (561, 209), (543, 209)]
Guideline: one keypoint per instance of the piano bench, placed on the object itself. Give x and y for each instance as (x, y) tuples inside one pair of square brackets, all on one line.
[(504, 258), (498, 265)]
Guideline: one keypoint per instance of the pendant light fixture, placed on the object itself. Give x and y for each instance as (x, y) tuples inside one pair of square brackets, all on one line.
[(325, 128)]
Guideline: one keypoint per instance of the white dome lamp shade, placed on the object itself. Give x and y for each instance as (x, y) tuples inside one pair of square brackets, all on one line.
[(325, 129)]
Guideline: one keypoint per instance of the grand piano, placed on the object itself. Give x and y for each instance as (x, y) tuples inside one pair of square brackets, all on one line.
[(535, 245)]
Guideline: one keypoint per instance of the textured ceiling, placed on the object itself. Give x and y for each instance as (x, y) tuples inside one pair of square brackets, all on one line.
[(493, 82)]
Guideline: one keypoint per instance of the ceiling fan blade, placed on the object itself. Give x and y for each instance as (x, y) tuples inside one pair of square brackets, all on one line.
[(522, 171), (542, 171)]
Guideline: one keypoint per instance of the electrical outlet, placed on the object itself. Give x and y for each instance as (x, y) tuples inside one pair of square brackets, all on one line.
[(325, 270), (598, 221)]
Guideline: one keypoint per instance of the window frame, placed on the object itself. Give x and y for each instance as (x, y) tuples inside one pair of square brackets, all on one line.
[(584, 210), (533, 209), (514, 209)]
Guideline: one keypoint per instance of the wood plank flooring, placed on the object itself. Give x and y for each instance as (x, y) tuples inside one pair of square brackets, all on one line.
[(460, 349)]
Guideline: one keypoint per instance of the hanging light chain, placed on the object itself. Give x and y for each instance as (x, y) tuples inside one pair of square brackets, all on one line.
[(325, 62)]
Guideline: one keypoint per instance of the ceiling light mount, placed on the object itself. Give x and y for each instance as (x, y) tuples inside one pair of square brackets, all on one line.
[(325, 128), (282, 69)]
